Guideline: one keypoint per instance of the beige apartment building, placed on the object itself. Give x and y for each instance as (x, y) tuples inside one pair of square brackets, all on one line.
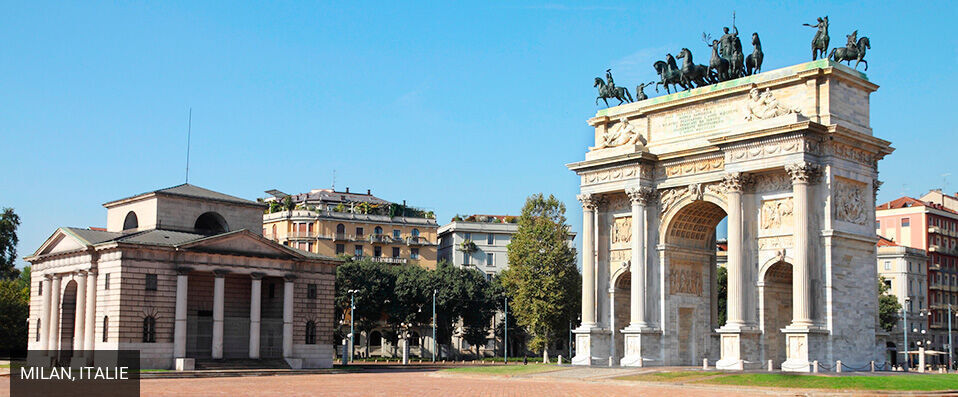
[(333, 223)]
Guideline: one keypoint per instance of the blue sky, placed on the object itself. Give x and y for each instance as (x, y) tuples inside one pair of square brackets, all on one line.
[(455, 107)]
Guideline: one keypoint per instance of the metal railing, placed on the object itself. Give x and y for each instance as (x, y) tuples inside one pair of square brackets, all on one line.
[(390, 260)]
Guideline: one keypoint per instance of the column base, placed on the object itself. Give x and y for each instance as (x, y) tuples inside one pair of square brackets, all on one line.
[(739, 349), (591, 346), (294, 363), (801, 345), (184, 364), (641, 347)]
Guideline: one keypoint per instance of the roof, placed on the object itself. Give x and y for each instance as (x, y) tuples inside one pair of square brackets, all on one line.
[(192, 191), (907, 202), (884, 242), (92, 237), (328, 195)]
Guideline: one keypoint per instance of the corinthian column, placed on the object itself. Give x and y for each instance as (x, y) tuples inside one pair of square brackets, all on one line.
[(640, 198), (588, 259), (802, 175), (734, 185)]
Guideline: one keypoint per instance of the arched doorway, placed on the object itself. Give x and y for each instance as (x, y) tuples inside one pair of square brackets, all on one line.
[(776, 310), (375, 343), (622, 305), (892, 349), (691, 281), (211, 223), (68, 317)]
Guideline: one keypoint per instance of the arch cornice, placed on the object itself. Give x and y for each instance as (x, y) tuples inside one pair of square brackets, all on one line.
[(763, 270)]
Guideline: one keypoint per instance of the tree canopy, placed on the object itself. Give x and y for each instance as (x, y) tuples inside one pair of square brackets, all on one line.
[(9, 221), (888, 306)]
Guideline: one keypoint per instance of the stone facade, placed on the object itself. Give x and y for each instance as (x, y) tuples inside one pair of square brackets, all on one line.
[(184, 293), (788, 156)]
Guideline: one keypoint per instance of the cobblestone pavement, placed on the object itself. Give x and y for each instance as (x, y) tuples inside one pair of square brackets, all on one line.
[(410, 383)]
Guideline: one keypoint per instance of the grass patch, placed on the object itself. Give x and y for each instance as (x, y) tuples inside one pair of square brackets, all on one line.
[(927, 382), (4, 365), (518, 369), (676, 376)]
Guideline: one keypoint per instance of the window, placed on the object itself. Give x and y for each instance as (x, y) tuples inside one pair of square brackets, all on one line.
[(38, 330), (359, 232), (489, 261), (397, 234), (488, 276), (340, 249), (358, 250), (149, 329), (414, 253), (130, 222), (465, 258), (106, 281), (395, 252), (490, 239), (415, 232), (310, 332), (40, 288), (905, 222), (377, 251), (106, 327), (311, 291), (888, 283), (877, 224), (340, 229), (467, 236), (379, 230), (151, 282)]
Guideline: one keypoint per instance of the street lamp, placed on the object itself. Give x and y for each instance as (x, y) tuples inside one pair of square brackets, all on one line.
[(352, 321), (904, 331), (434, 344)]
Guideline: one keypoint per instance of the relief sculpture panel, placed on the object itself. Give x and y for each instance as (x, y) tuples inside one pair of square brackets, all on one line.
[(622, 230), (684, 279), (777, 214), (850, 205)]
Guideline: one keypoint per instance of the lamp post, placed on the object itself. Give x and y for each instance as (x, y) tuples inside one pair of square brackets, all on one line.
[(951, 347), (505, 337), (352, 321), (904, 331), (434, 344)]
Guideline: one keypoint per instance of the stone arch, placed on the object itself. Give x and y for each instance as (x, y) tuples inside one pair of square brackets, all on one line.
[(776, 307), (68, 302), (670, 215), (130, 222), (763, 270), (211, 223)]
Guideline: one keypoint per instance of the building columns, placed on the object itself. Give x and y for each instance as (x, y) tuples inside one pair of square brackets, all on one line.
[(255, 302), (639, 198), (588, 260), (179, 316), (80, 313), (802, 175), (54, 330), (45, 314), (288, 316), (219, 286), (89, 331), (735, 184)]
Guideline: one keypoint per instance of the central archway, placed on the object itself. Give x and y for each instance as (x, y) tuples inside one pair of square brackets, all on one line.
[(691, 281)]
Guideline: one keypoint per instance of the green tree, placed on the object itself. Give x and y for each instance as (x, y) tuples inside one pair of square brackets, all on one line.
[(375, 285), (479, 307), (542, 281), (721, 278), (888, 306), (288, 204), (14, 303), (9, 221)]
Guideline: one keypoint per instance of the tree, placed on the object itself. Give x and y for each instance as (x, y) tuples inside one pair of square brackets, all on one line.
[(375, 285), (14, 303), (721, 278), (888, 306), (479, 307), (542, 281), (9, 221)]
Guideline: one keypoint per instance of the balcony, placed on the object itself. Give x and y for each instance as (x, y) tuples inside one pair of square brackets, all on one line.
[(379, 239), (416, 240), (942, 249), (393, 261), (302, 235), (340, 237)]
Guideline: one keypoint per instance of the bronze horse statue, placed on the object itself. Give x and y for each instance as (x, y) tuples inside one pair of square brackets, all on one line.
[(820, 41), (605, 92), (857, 53), (719, 65), (753, 62), (690, 72), (669, 73)]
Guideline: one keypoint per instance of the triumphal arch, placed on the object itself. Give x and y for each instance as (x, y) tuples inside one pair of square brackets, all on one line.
[(789, 158)]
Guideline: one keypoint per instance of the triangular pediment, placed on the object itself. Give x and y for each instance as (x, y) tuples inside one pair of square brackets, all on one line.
[(241, 242), (62, 240)]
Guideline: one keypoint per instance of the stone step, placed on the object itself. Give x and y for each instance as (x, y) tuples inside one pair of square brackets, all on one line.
[(232, 364)]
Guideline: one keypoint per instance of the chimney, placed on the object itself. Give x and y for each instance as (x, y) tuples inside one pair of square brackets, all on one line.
[(347, 189), (369, 192)]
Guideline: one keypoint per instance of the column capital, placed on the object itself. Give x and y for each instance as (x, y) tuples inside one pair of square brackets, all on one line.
[(257, 275), (220, 272), (641, 195), (289, 277), (48, 277), (876, 185), (736, 182), (588, 201), (81, 273), (183, 270), (803, 172)]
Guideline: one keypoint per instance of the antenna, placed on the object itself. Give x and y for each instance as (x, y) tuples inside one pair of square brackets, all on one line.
[(944, 182), (334, 179), (189, 133)]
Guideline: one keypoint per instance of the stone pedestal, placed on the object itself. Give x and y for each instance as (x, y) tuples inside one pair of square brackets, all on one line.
[(739, 349), (641, 347), (799, 351), (591, 346), (184, 364)]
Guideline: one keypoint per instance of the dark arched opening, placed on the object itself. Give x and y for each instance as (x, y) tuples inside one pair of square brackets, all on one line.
[(130, 222), (211, 223)]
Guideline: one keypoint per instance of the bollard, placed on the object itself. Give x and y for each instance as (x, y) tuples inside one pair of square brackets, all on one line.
[(610, 361), (815, 366), (705, 363), (559, 360), (838, 366), (770, 367), (873, 366)]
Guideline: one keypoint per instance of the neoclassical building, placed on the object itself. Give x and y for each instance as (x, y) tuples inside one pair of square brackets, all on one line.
[(182, 274), (788, 156)]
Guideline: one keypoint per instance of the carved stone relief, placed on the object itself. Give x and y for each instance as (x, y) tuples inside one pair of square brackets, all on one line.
[(695, 167), (777, 214), (853, 154), (669, 197), (620, 255), (772, 183), (763, 105), (775, 242), (616, 174), (773, 147), (622, 230), (850, 205), (621, 133), (683, 279)]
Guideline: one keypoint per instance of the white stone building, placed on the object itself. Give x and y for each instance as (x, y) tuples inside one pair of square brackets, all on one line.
[(185, 276), (905, 272)]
